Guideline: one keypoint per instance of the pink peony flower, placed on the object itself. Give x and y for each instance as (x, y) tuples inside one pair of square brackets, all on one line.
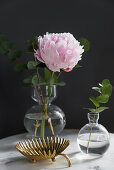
[(59, 51)]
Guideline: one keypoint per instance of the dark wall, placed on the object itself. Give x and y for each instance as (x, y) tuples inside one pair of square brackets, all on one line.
[(92, 19)]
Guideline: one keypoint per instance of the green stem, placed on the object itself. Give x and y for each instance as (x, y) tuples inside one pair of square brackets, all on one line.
[(36, 127), (90, 133), (43, 126), (59, 75), (43, 119)]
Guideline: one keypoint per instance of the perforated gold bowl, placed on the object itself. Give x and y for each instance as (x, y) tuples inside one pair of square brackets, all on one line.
[(41, 149)]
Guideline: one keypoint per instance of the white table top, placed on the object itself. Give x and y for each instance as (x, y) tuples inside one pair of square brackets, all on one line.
[(11, 159)]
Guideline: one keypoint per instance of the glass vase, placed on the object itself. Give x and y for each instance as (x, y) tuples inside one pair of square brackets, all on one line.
[(44, 119), (93, 138)]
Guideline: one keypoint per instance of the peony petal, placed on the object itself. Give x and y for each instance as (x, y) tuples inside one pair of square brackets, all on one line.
[(38, 56)]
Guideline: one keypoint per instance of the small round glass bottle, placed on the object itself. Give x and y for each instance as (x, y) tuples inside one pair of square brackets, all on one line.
[(93, 138)]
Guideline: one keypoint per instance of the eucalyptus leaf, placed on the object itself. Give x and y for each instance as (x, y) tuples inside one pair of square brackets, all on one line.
[(30, 49), (33, 45), (38, 80), (3, 38), (41, 80), (55, 78), (12, 55), (28, 80), (105, 82), (33, 40), (52, 80), (47, 75), (50, 90), (2, 51), (85, 43), (77, 66), (102, 99), (35, 80), (32, 65), (94, 101), (97, 89), (91, 110), (100, 109), (20, 67), (107, 89), (6, 45)]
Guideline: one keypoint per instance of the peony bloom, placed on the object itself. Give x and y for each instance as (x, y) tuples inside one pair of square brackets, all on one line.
[(59, 51)]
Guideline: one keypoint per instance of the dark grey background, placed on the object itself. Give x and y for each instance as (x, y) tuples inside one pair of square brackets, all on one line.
[(92, 19)]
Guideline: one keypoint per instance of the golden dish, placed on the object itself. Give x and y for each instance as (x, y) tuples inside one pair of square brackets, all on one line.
[(41, 149)]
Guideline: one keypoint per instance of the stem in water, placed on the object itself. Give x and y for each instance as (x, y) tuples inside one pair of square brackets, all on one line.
[(90, 133)]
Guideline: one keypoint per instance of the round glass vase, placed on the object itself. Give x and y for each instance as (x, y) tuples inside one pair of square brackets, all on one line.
[(44, 119), (93, 138)]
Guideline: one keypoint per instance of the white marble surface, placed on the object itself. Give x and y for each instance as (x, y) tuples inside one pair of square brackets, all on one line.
[(11, 159)]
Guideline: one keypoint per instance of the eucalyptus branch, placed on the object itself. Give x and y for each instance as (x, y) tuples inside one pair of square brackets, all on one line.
[(59, 75), (105, 91)]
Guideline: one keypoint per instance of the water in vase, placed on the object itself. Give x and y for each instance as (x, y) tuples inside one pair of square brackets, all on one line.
[(98, 143), (57, 122)]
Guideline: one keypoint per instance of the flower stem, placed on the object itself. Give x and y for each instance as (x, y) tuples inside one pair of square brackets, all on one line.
[(52, 73), (90, 133), (51, 126), (59, 75), (43, 126), (36, 127)]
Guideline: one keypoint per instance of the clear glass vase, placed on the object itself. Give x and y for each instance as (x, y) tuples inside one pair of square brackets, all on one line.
[(93, 138), (44, 119)]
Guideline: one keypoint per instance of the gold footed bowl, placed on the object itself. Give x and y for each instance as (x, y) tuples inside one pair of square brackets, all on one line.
[(42, 149)]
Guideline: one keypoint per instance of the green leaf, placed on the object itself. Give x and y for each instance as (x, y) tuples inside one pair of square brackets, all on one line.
[(52, 80), (28, 80), (32, 40), (32, 45), (2, 51), (85, 43), (6, 45), (32, 65), (41, 80), (55, 79), (105, 82), (94, 101), (47, 75), (35, 80), (97, 89), (100, 109), (91, 110), (20, 67), (3, 38), (12, 55), (30, 49), (107, 89), (77, 66), (50, 90), (102, 99)]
